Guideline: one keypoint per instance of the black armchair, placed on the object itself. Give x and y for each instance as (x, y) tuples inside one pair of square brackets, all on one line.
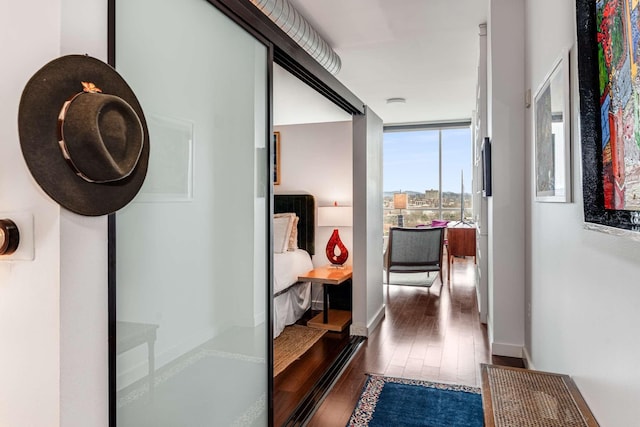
[(414, 250)]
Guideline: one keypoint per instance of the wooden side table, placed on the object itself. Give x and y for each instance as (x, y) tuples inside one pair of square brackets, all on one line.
[(461, 241), (330, 319)]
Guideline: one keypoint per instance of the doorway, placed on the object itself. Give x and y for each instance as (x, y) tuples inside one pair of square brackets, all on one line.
[(310, 127)]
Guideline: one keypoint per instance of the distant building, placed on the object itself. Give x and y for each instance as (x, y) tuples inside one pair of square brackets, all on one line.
[(432, 194)]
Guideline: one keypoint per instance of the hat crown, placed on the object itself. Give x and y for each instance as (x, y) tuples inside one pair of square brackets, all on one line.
[(103, 137), (89, 152)]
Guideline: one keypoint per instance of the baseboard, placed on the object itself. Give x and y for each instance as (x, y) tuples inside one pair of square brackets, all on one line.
[(527, 359), (375, 322), (507, 350), (362, 330), (358, 329)]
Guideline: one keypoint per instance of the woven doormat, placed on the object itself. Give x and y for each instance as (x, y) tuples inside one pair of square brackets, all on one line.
[(526, 398), (291, 344)]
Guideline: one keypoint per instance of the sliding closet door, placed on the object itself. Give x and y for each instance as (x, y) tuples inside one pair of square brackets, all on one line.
[(191, 249)]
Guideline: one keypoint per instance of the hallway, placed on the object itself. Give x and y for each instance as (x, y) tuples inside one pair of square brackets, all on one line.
[(427, 333)]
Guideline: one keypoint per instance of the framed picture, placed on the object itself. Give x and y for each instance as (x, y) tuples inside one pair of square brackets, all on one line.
[(170, 172), (486, 167), (608, 59), (552, 135), (276, 158)]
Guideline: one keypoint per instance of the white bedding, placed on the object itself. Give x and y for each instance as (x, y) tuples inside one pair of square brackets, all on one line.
[(289, 306), (287, 266)]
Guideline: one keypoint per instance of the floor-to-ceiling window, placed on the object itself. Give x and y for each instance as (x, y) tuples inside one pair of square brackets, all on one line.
[(427, 174)]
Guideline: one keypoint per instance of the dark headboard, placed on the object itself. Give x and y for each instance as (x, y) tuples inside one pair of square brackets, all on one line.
[(304, 205)]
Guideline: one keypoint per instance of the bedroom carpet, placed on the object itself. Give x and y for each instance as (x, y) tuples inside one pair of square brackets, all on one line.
[(388, 401), (292, 343), (410, 279)]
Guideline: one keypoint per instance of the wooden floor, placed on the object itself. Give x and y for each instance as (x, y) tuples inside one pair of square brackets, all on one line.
[(431, 334), (427, 333), (291, 386)]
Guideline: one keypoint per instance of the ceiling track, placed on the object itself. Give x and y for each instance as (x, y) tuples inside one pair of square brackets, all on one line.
[(352, 105)]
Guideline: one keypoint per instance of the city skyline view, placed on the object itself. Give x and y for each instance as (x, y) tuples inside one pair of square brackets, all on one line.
[(411, 160)]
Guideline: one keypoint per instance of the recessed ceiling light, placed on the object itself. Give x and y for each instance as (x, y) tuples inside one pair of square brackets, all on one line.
[(396, 100)]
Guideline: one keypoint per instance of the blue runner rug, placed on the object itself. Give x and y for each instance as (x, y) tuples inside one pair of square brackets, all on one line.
[(387, 401)]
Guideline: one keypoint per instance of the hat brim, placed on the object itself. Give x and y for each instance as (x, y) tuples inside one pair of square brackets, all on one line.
[(42, 98)]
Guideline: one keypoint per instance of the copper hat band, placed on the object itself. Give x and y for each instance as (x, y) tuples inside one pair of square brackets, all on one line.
[(62, 144), (87, 87)]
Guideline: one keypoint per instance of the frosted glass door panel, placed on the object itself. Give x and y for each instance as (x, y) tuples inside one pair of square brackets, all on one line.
[(191, 248)]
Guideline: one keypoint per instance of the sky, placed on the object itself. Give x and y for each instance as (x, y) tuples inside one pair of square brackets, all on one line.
[(410, 160)]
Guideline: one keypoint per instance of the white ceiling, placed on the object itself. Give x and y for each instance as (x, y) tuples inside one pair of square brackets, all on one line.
[(423, 50)]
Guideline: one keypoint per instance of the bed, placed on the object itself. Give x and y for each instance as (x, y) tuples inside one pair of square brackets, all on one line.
[(292, 257)]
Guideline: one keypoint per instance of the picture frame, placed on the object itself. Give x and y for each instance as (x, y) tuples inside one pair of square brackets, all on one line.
[(486, 167), (171, 161), (552, 135), (609, 117), (276, 159)]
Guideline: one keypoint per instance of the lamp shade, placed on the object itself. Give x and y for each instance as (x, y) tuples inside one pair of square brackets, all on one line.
[(335, 216), (400, 201)]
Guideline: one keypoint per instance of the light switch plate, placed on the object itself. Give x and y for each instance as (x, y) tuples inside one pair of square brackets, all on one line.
[(24, 222)]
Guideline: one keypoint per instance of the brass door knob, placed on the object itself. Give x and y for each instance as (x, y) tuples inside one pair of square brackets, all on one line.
[(9, 237)]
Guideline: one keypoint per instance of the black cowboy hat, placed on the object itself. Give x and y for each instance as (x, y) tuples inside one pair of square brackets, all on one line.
[(83, 135)]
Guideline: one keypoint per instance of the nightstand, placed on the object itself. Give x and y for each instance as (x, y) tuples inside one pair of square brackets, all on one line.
[(330, 319)]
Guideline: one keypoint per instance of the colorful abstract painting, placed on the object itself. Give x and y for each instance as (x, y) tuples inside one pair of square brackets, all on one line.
[(618, 36), (609, 83)]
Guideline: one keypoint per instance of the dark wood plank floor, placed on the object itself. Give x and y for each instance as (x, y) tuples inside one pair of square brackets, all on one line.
[(431, 334), (291, 385)]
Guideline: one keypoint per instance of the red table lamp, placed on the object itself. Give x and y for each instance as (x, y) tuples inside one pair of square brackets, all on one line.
[(335, 216)]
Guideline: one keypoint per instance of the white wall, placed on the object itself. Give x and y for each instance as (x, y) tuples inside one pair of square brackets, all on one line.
[(52, 309), (308, 106), (83, 267), (582, 285), (505, 115), (368, 307), (317, 159)]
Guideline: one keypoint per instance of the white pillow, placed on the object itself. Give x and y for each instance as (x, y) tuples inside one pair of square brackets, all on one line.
[(293, 236), (293, 239), (281, 232)]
